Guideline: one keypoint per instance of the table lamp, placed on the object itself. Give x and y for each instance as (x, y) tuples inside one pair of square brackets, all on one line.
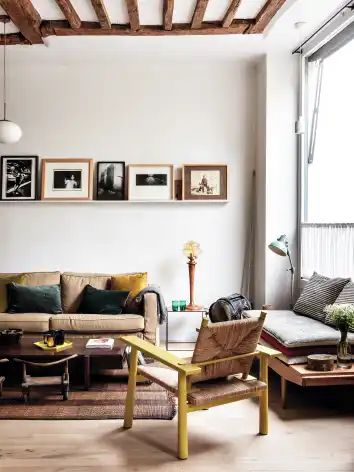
[(281, 247), (191, 249)]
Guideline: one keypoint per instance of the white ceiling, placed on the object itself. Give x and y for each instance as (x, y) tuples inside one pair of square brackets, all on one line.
[(280, 35)]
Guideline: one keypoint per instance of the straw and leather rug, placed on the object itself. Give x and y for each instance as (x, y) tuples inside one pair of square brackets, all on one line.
[(102, 401)]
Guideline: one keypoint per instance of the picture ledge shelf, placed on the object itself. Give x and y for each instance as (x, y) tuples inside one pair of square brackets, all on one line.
[(113, 201)]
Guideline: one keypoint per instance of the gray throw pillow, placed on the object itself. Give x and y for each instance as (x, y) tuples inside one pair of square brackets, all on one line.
[(319, 292)]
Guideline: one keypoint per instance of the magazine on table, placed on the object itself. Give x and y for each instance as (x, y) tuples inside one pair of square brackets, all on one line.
[(100, 343)]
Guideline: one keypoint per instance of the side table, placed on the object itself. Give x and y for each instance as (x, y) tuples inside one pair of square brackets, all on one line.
[(187, 321)]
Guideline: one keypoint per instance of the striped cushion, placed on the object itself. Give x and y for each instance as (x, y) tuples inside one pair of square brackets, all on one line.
[(319, 292), (346, 296)]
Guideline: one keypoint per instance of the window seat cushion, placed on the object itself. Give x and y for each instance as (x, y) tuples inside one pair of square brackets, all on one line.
[(293, 331)]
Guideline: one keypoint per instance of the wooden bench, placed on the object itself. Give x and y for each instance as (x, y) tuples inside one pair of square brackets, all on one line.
[(300, 375)]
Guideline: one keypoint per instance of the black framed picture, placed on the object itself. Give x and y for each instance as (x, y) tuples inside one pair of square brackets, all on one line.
[(111, 180), (19, 176)]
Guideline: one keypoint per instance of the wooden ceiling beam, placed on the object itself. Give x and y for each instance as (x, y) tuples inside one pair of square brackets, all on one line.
[(133, 12), (13, 39), (89, 28), (25, 17), (230, 13), (101, 13), (69, 13), (265, 16), (168, 6), (199, 12)]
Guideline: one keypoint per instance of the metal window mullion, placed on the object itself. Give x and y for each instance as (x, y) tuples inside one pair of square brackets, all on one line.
[(315, 114)]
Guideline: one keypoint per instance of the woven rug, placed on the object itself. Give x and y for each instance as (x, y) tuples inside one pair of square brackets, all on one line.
[(102, 401)]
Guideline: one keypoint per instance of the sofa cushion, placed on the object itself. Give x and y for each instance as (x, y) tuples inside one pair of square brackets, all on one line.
[(73, 285), (4, 280), (96, 323), (109, 302), (134, 282), (294, 330), (39, 299), (40, 278), (319, 292), (29, 322)]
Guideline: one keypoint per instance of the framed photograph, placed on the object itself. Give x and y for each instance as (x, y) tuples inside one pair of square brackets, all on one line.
[(66, 179), (204, 182), (19, 177), (150, 182), (110, 180)]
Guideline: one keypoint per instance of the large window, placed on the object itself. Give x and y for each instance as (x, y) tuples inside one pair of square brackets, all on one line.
[(328, 210)]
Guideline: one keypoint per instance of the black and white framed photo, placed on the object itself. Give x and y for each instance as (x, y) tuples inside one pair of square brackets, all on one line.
[(66, 179), (111, 180), (204, 182), (150, 182), (19, 177)]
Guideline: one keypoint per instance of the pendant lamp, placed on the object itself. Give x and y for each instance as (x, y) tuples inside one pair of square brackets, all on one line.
[(10, 132)]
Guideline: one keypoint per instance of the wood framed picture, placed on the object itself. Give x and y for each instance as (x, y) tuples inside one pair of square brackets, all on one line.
[(19, 176), (110, 180), (204, 182), (66, 179), (150, 182)]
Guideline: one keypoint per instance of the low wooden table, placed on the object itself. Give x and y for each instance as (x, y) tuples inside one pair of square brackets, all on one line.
[(26, 349), (300, 375)]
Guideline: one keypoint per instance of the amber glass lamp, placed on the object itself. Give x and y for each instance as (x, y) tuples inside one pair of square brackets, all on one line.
[(191, 250)]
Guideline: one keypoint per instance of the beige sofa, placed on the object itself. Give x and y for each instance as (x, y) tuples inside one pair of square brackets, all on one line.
[(82, 325)]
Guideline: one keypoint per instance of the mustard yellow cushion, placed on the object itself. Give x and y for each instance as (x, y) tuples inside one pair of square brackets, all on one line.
[(133, 283), (4, 280)]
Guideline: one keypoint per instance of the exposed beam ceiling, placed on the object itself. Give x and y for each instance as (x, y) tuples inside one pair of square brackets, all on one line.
[(25, 17), (265, 16), (167, 14), (69, 13), (230, 14), (133, 12), (88, 28), (101, 13), (32, 29), (13, 39), (199, 12)]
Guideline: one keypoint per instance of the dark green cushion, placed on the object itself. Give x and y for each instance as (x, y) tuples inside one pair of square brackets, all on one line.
[(30, 299), (102, 302)]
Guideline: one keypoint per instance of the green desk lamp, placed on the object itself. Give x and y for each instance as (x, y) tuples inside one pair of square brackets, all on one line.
[(281, 247)]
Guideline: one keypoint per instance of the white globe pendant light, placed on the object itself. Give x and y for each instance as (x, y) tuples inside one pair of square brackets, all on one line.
[(10, 132)]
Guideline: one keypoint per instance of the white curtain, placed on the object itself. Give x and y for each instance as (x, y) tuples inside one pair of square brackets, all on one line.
[(327, 249)]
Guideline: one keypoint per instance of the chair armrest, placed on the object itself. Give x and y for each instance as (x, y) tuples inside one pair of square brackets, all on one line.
[(4, 360), (151, 321), (162, 356), (268, 351)]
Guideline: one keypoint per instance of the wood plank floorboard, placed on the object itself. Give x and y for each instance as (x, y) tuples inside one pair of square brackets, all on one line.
[(312, 435)]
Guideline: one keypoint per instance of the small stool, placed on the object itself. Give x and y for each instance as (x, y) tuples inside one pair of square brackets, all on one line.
[(29, 381)]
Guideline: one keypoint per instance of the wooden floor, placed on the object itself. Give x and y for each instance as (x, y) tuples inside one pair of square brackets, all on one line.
[(312, 435)]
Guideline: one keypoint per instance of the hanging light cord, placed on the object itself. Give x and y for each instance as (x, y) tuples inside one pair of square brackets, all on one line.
[(4, 65)]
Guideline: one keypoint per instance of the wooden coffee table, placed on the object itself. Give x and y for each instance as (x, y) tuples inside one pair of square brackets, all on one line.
[(26, 349), (300, 375)]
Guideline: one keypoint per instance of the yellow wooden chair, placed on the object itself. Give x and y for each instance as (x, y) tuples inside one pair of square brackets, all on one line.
[(208, 379)]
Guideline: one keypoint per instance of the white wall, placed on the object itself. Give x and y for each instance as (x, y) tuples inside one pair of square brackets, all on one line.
[(276, 175), (141, 112)]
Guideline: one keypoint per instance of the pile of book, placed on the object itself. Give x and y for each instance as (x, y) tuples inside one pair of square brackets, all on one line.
[(100, 343)]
